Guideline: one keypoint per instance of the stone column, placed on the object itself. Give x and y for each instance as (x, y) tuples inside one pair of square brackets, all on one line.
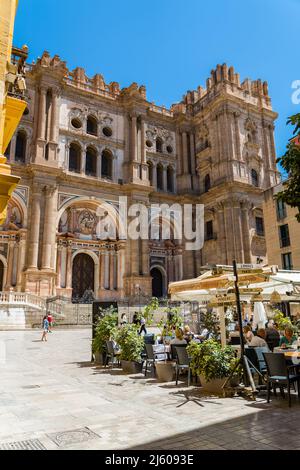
[(145, 257), (229, 235), (267, 155), (58, 266), (21, 262), (82, 161), (135, 256), (192, 151), (222, 251), (246, 231), (178, 265), (237, 135), (185, 154), (54, 115), (143, 148), (239, 252), (69, 267), (13, 149), (121, 266), (49, 231), (272, 147), (112, 269), (165, 179), (133, 149), (106, 269), (42, 114), (144, 165), (102, 271), (154, 175), (178, 152), (34, 235), (10, 261)]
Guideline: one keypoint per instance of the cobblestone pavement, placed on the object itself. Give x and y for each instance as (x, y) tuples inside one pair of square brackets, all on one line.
[(52, 397)]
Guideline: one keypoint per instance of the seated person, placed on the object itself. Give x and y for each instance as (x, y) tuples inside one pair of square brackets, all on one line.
[(204, 334), (248, 335), (179, 339), (259, 340), (288, 339), (272, 335), (187, 334)]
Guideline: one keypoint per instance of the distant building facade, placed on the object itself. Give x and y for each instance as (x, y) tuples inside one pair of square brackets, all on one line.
[(82, 140), (283, 233)]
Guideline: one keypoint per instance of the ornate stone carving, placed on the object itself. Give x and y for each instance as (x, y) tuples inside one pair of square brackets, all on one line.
[(86, 222)]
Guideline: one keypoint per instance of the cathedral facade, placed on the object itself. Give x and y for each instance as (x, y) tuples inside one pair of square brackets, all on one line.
[(83, 143)]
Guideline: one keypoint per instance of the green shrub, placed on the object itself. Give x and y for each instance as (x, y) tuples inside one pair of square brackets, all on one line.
[(130, 342), (106, 329), (281, 320), (210, 359)]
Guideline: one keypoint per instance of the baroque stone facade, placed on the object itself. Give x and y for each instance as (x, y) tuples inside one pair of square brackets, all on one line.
[(82, 140)]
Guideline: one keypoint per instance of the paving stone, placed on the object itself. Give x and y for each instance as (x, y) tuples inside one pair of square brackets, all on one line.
[(67, 396)]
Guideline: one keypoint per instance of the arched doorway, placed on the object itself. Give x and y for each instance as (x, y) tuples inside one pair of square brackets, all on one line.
[(1, 275), (83, 275), (157, 283)]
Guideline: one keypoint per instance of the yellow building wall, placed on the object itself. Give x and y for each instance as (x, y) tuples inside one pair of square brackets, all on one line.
[(11, 109), (274, 251)]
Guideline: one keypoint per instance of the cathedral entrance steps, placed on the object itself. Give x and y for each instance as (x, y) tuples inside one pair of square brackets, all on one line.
[(22, 310)]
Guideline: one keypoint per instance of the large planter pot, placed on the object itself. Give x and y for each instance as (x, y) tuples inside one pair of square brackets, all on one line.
[(165, 371), (132, 367), (213, 386)]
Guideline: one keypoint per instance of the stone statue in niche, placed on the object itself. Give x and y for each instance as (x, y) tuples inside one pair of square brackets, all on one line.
[(13, 220)]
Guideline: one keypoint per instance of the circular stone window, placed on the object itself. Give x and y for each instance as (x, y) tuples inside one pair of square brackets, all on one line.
[(149, 143), (107, 131), (169, 149), (76, 123)]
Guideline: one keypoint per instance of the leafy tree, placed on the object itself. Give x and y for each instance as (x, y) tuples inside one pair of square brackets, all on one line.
[(290, 162)]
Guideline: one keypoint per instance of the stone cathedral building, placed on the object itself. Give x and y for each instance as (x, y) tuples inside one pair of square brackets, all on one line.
[(82, 140)]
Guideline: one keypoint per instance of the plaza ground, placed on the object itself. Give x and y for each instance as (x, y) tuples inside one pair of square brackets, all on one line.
[(52, 397)]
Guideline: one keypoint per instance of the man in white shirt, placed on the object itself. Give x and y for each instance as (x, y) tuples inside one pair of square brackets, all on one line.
[(259, 340)]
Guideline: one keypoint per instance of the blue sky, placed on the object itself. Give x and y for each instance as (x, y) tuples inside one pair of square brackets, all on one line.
[(171, 45)]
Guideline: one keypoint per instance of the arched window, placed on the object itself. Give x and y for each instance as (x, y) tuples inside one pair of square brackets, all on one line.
[(254, 177), (159, 144), (21, 141), (106, 164), (170, 179), (91, 162), (74, 158), (91, 125), (160, 177), (150, 166), (207, 183)]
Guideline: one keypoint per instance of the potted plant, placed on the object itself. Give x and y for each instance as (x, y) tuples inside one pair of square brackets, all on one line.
[(281, 320), (165, 369), (212, 363), (131, 345), (106, 329)]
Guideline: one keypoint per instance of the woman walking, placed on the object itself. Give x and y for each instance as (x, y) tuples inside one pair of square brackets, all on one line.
[(45, 328)]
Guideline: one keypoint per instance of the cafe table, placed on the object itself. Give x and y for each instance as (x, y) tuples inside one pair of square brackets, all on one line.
[(290, 353)]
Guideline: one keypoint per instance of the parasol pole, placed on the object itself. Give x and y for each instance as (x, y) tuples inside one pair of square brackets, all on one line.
[(244, 360)]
